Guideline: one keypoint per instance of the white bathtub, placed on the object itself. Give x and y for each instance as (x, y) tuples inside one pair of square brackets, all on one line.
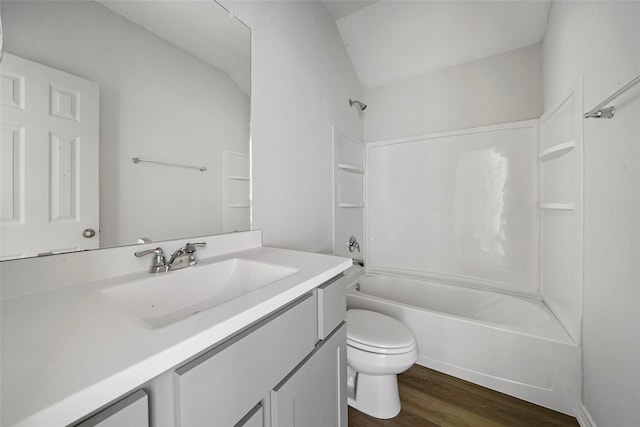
[(508, 343)]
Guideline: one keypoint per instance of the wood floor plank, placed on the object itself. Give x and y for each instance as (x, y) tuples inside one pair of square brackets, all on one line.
[(433, 399)]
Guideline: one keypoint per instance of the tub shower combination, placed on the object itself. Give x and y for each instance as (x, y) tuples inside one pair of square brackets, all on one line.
[(473, 241), (507, 343)]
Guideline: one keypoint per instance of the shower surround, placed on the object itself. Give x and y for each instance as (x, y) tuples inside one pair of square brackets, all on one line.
[(457, 205)]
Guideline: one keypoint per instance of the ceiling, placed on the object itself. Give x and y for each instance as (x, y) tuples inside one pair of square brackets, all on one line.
[(214, 35), (341, 8), (392, 40)]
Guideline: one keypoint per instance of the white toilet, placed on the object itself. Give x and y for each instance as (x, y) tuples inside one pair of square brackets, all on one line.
[(378, 348)]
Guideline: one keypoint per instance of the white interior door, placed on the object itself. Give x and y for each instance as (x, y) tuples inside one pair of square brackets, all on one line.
[(49, 160)]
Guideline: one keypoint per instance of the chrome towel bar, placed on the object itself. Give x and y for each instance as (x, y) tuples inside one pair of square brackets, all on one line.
[(141, 160), (598, 112)]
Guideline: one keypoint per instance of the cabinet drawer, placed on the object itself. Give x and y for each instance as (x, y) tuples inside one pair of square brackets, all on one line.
[(132, 411), (222, 385), (332, 305)]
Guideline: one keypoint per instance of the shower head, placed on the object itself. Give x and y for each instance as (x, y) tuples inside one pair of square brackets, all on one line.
[(361, 105)]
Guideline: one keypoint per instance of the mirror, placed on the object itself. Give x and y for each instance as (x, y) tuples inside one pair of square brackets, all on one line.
[(87, 87)]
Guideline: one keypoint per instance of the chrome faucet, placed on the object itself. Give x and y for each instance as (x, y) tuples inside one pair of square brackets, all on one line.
[(352, 245), (181, 258), (184, 256)]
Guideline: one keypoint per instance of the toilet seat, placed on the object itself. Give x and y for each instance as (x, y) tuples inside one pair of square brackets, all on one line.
[(378, 333)]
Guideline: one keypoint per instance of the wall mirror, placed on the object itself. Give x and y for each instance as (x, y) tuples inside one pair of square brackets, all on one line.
[(89, 86)]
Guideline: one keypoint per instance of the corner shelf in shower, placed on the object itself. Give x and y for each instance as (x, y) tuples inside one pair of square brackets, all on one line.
[(351, 205), (556, 151), (351, 168), (558, 206)]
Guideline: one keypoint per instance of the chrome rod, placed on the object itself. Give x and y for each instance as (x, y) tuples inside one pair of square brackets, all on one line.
[(598, 111), (141, 160)]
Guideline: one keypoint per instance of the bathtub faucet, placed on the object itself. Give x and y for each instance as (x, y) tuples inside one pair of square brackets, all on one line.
[(352, 244), (358, 261)]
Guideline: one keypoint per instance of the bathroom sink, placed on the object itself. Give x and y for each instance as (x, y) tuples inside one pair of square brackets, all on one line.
[(162, 299)]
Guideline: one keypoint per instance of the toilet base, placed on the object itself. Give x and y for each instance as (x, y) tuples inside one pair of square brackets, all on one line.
[(377, 396)]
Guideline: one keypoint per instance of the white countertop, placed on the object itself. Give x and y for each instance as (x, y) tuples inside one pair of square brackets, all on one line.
[(68, 351)]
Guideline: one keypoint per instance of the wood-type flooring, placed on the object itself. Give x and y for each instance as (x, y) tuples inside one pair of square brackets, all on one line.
[(430, 398)]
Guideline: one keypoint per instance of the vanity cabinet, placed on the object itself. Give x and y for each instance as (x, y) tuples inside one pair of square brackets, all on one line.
[(332, 305), (255, 418), (296, 354), (131, 411), (221, 386), (314, 394)]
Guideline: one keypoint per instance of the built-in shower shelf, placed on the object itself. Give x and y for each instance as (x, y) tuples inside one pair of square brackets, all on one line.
[(239, 205), (556, 151), (558, 206), (351, 205), (238, 178), (350, 168)]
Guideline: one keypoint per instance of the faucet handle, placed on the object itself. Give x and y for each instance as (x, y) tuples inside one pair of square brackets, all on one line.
[(352, 244), (191, 247), (157, 251), (158, 263)]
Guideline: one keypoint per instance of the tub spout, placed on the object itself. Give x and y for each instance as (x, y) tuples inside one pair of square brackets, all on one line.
[(358, 261)]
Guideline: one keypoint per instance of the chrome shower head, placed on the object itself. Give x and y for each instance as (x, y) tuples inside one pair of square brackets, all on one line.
[(361, 105)]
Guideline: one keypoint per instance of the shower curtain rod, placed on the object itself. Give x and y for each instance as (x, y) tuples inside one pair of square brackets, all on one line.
[(598, 112)]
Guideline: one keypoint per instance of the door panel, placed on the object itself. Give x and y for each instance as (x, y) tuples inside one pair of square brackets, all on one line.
[(49, 157)]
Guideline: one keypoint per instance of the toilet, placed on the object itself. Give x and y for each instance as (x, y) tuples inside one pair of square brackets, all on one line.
[(379, 347)]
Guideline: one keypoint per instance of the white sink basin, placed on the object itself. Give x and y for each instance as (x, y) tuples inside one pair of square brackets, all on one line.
[(162, 299)]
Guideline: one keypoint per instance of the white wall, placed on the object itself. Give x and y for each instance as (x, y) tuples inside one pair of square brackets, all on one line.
[(151, 98), (601, 40), (498, 89), (302, 79)]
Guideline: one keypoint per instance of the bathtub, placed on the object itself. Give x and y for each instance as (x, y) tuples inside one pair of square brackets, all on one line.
[(508, 343)]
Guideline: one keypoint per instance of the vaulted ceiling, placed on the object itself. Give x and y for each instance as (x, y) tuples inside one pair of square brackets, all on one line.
[(213, 35), (393, 40)]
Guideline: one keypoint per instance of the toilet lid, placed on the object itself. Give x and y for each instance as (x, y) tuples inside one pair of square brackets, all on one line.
[(378, 333)]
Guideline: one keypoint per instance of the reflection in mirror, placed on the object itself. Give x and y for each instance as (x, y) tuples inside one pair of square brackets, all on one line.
[(88, 86)]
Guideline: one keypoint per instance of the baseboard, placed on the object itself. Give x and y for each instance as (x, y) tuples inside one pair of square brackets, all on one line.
[(584, 418)]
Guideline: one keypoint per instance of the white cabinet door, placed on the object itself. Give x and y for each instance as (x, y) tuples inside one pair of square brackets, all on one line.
[(132, 411), (315, 394), (49, 159), (255, 418)]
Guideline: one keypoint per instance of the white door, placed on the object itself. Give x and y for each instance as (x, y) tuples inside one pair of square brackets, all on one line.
[(49, 160)]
